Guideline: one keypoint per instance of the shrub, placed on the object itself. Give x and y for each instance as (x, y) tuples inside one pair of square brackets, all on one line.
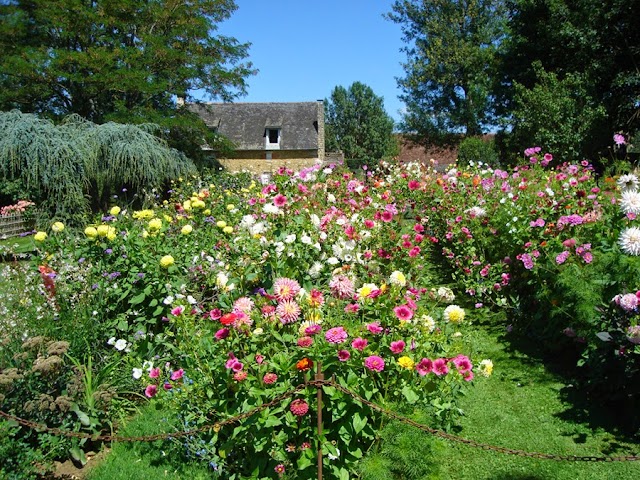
[(476, 150)]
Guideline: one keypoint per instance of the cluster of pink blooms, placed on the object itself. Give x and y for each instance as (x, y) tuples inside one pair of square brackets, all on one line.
[(19, 207), (154, 373), (628, 301), (583, 251)]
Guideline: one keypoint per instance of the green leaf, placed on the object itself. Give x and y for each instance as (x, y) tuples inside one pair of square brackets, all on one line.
[(78, 455), (409, 394), (358, 422), (138, 299)]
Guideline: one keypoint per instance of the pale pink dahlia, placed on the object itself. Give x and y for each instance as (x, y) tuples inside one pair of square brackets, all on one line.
[(285, 289), (342, 287), (288, 311), (243, 304)]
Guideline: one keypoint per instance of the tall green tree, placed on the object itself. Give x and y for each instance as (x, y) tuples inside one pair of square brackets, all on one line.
[(119, 60), (451, 59), (357, 124), (595, 41)]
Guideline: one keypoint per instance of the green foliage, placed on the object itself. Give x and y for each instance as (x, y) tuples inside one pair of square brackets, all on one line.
[(474, 149), (19, 459), (76, 165), (404, 452), (451, 60), (124, 61), (556, 113), (357, 124)]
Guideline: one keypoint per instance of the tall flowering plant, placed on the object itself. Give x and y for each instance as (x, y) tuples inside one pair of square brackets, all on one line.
[(394, 344)]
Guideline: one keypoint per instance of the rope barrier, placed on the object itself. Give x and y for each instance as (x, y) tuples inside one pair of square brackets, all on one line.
[(318, 384)]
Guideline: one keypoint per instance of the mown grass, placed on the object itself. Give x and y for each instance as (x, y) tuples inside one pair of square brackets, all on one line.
[(526, 406), (16, 246)]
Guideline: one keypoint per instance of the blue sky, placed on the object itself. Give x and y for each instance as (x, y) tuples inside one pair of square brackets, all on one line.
[(303, 49)]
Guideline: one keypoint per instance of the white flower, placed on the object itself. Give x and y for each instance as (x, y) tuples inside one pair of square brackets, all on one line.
[(120, 344), (290, 238), (628, 182), (477, 212), (306, 239), (331, 198), (398, 278), (428, 322), (453, 314), (137, 373), (258, 331), (271, 208), (630, 202), (485, 368), (221, 280), (333, 261), (191, 300), (111, 341), (446, 294), (315, 270), (630, 240)]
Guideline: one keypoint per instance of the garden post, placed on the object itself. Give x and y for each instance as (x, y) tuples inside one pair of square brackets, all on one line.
[(319, 377)]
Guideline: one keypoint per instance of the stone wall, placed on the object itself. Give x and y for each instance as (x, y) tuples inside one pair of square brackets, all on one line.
[(256, 161)]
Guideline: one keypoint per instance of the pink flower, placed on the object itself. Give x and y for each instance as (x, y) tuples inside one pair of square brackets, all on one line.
[(336, 335), (352, 308), (259, 359), (386, 216), (285, 288), (343, 355), (178, 374), (462, 363), (414, 185), (414, 252), (342, 287), (269, 378), (151, 391), (177, 311), (222, 334), (424, 366), (288, 311), (359, 344), (279, 469), (397, 347), (243, 304), (215, 314), (299, 407), (305, 342), (167, 386), (240, 376), (374, 363), (154, 373), (403, 313), (562, 257), (313, 329), (279, 200), (374, 328), (440, 366)]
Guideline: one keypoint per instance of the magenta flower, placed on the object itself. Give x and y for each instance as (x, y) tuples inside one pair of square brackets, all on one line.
[(222, 334), (336, 335), (374, 363), (562, 257), (424, 366), (462, 363), (403, 313), (619, 139), (397, 347), (374, 328), (151, 391), (313, 329), (177, 311), (440, 366), (343, 355), (279, 200), (167, 386), (154, 373), (359, 344), (178, 374)]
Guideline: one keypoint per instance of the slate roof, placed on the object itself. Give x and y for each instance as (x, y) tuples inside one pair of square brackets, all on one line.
[(245, 123)]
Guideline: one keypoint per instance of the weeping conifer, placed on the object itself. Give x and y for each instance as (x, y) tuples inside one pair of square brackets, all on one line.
[(77, 166)]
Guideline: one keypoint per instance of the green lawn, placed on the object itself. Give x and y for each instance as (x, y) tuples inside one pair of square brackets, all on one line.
[(523, 406)]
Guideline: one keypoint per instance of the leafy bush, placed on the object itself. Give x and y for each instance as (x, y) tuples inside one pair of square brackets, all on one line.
[(476, 150)]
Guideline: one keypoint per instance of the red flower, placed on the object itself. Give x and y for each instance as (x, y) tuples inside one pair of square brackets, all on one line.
[(228, 318)]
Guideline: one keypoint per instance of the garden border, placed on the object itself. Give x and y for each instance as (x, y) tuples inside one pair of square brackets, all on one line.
[(319, 383)]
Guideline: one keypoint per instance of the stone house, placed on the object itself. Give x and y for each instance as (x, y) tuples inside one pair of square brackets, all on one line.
[(268, 135)]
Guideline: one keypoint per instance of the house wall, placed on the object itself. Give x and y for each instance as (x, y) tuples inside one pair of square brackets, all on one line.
[(256, 161)]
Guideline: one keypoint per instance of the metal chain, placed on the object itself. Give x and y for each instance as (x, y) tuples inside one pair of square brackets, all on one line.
[(318, 384)]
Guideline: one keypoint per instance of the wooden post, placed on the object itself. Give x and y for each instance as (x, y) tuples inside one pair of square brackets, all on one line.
[(319, 377)]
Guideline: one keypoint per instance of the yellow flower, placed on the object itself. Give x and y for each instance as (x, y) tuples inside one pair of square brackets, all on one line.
[(57, 227), (91, 232), (114, 210), (155, 224), (398, 278), (111, 233), (486, 368), (221, 223), (103, 230), (231, 207), (207, 211), (186, 205), (40, 236), (366, 289), (227, 229), (166, 261), (405, 362), (144, 214), (145, 234), (198, 204), (453, 314), (167, 218), (186, 230)]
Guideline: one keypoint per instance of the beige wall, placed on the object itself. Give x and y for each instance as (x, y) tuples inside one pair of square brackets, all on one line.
[(256, 161)]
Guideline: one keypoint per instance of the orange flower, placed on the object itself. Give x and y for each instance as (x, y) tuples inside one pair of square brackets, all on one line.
[(476, 181), (304, 364)]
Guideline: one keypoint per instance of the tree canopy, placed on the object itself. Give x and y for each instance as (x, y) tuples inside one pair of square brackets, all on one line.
[(119, 60), (358, 125), (451, 59), (72, 167)]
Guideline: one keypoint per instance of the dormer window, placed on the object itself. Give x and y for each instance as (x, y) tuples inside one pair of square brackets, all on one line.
[(272, 138)]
